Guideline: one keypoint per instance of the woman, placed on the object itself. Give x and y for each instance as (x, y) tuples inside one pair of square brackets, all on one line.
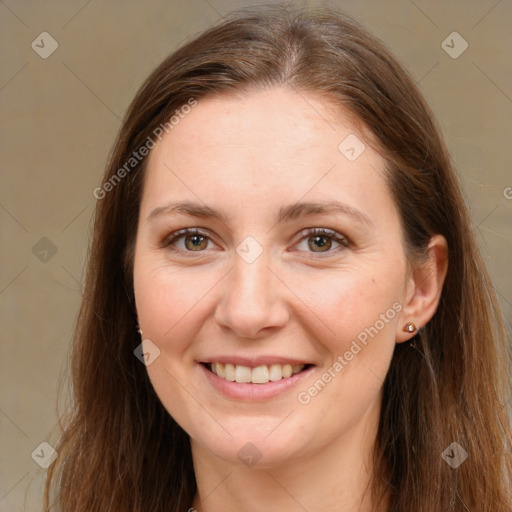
[(285, 308)]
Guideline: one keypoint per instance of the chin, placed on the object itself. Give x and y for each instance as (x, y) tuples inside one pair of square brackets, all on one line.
[(256, 444)]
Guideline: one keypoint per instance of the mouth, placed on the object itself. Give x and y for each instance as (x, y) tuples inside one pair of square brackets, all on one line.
[(262, 374)]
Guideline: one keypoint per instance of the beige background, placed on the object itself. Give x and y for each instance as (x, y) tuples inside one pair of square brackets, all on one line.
[(60, 116)]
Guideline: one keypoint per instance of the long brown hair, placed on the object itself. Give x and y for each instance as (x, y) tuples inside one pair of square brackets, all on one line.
[(120, 449)]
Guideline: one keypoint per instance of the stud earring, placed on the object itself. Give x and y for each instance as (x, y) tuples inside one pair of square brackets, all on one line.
[(409, 327), (139, 330)]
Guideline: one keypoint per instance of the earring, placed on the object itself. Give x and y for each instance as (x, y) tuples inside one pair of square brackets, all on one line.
[(139, 330), (409, 327)]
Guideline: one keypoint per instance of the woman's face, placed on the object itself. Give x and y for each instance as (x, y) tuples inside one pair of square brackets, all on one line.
[(295, 258)]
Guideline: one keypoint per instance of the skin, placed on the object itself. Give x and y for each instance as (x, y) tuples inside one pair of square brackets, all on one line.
[(249, 156)]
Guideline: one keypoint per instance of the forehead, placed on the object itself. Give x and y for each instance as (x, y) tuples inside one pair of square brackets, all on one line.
[(279, 117), (264, 146)]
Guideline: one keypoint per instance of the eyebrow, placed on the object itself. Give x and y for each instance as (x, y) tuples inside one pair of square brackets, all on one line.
[(286, 213)]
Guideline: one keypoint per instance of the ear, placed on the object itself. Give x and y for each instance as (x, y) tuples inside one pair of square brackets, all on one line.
[(424, 287)]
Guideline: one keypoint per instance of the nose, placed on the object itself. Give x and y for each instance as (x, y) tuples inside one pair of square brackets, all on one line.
[(253, 300)]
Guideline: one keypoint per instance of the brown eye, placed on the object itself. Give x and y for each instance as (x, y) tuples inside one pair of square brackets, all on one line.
[(187, 240), (195, 242), (321, 240), (319, 243)]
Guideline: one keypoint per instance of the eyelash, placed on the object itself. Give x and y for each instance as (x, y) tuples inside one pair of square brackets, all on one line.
[(307, 233)]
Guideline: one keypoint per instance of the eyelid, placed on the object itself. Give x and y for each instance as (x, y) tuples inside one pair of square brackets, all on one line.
[(342, 239), (185, 231), (339, 238)]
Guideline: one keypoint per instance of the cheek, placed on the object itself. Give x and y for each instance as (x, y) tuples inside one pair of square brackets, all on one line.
[(169, 310), (172, 303), (362, 312), (353, 303)]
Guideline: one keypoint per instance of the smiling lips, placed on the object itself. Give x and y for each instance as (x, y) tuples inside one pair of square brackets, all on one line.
[(258, 375)]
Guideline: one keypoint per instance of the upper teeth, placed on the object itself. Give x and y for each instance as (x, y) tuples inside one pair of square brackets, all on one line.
[(258, 375)]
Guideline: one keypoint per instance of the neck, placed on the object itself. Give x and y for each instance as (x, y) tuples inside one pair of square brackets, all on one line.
[(338, 477)]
